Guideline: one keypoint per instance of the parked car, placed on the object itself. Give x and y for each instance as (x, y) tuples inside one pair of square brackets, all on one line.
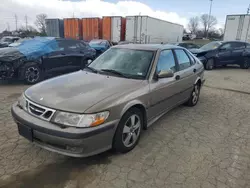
[(107, 104), (124, 42), (188, 36), (187, 45), (221, 53), (100, 45), (5, 41), (18, 42), (34, 59)]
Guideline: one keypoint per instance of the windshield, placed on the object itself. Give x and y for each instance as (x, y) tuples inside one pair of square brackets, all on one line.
[(211, 46), (5, 39), (132, 63)]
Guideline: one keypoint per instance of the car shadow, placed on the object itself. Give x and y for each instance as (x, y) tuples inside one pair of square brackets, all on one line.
[(58, 174)]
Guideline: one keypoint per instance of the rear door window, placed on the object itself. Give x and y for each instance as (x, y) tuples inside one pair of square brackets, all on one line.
[(183, 59), (238, 45)]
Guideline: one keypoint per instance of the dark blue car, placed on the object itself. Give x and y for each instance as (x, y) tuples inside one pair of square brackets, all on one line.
[(100, 45), (34, 59), (222, 53)]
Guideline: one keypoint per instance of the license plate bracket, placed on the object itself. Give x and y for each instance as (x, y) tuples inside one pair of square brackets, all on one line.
[(26, 132)]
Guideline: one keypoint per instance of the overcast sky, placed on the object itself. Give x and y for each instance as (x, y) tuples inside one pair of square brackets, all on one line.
[(178, 11)]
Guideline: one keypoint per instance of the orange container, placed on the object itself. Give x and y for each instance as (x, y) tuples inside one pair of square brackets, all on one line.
[(73, 28), (113, 28), (106, 28), (91, 28)]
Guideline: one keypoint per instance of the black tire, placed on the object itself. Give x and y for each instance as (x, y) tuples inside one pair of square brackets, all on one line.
[(120, 136), (195, 93), (246, 63), (209, 64), (31, 73)]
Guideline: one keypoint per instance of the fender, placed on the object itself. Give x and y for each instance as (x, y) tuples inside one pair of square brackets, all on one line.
[(131, 104)]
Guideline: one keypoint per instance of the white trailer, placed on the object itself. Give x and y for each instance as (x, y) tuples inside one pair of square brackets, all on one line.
[(145, 29), (237, 27)]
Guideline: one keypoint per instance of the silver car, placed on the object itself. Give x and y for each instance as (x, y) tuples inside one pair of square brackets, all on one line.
[(110, 102)]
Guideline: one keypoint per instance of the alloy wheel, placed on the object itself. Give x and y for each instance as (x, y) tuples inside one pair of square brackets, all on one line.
[(32, 74), (131, 130), (195, 94)]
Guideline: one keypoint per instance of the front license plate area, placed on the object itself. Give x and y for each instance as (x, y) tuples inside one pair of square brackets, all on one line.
[(26, 132)]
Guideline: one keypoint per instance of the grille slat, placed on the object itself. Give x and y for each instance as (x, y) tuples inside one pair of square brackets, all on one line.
[(39, 111)]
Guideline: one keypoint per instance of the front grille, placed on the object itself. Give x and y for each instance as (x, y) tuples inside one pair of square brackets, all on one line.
[(39, 111)]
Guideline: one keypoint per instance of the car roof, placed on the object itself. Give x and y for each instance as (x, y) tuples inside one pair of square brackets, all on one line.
[(152, 47)]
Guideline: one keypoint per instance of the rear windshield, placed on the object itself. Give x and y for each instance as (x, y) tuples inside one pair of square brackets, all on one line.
[(130, 62), (98, 42)]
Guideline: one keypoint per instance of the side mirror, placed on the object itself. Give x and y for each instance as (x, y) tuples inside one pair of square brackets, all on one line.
[(165, 74)]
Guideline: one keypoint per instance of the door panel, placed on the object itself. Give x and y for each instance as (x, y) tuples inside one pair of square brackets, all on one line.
[(224, 55), (54, 60), (163, 90), (237, 51)]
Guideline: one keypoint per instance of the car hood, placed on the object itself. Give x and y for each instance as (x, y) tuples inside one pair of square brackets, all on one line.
[(10, 54), (76, 92)]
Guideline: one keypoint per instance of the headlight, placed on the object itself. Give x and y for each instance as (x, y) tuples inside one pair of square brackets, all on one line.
[(22, 102), (80, 120)]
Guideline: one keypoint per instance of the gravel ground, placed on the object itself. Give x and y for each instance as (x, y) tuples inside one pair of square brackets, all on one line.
[(205, 146)]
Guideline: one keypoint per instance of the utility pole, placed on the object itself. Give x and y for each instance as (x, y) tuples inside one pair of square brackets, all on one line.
[(209, 17), (16, 21), (8, 26), (26, 22), (248, 10)]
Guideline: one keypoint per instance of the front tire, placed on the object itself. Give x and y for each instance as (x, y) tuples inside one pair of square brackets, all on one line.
[(246, 63), (31, 73), (210, 64), (195, 95), (128, 131)]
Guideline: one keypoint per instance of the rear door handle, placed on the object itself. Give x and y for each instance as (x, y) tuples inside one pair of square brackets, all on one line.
[(63, 54), (177, 77)]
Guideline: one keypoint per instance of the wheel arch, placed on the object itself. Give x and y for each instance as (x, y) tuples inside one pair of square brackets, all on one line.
[(139, 105)]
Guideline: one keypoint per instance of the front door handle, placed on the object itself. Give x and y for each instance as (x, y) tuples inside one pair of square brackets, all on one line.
[(63, 54), (177, 77)]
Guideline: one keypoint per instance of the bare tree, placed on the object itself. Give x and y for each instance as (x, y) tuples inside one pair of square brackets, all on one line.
[(40, 22), (208, 22), (193, 24)]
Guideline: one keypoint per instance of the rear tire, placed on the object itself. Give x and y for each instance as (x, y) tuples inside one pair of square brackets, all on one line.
[(128, 131), (246, 63), (31, 73), (195, 95), (210, 64)]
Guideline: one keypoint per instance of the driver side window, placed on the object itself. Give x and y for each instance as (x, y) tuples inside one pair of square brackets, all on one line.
[(166, 61), (227, 46)]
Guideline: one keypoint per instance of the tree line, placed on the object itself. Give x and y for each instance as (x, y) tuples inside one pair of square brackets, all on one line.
[(204, 26)]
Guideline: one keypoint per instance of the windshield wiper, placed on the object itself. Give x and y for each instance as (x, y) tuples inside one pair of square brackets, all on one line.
[(92, 69), (114, 72)]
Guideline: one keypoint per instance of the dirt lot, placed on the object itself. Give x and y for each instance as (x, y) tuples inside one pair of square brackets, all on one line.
[(206, 146)]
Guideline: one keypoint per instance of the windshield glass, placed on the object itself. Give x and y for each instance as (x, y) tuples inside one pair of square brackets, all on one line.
[(132, 63), (97, 42), (211, 45), (5, 39)]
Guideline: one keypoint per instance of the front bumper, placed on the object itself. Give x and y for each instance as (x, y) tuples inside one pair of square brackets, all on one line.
[(75, 142)]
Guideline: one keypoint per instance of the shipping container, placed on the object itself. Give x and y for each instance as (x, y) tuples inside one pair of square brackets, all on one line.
[(54, 28), (145, 29), (91, 28), (73, 28), (237, 27), (113, 28)]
